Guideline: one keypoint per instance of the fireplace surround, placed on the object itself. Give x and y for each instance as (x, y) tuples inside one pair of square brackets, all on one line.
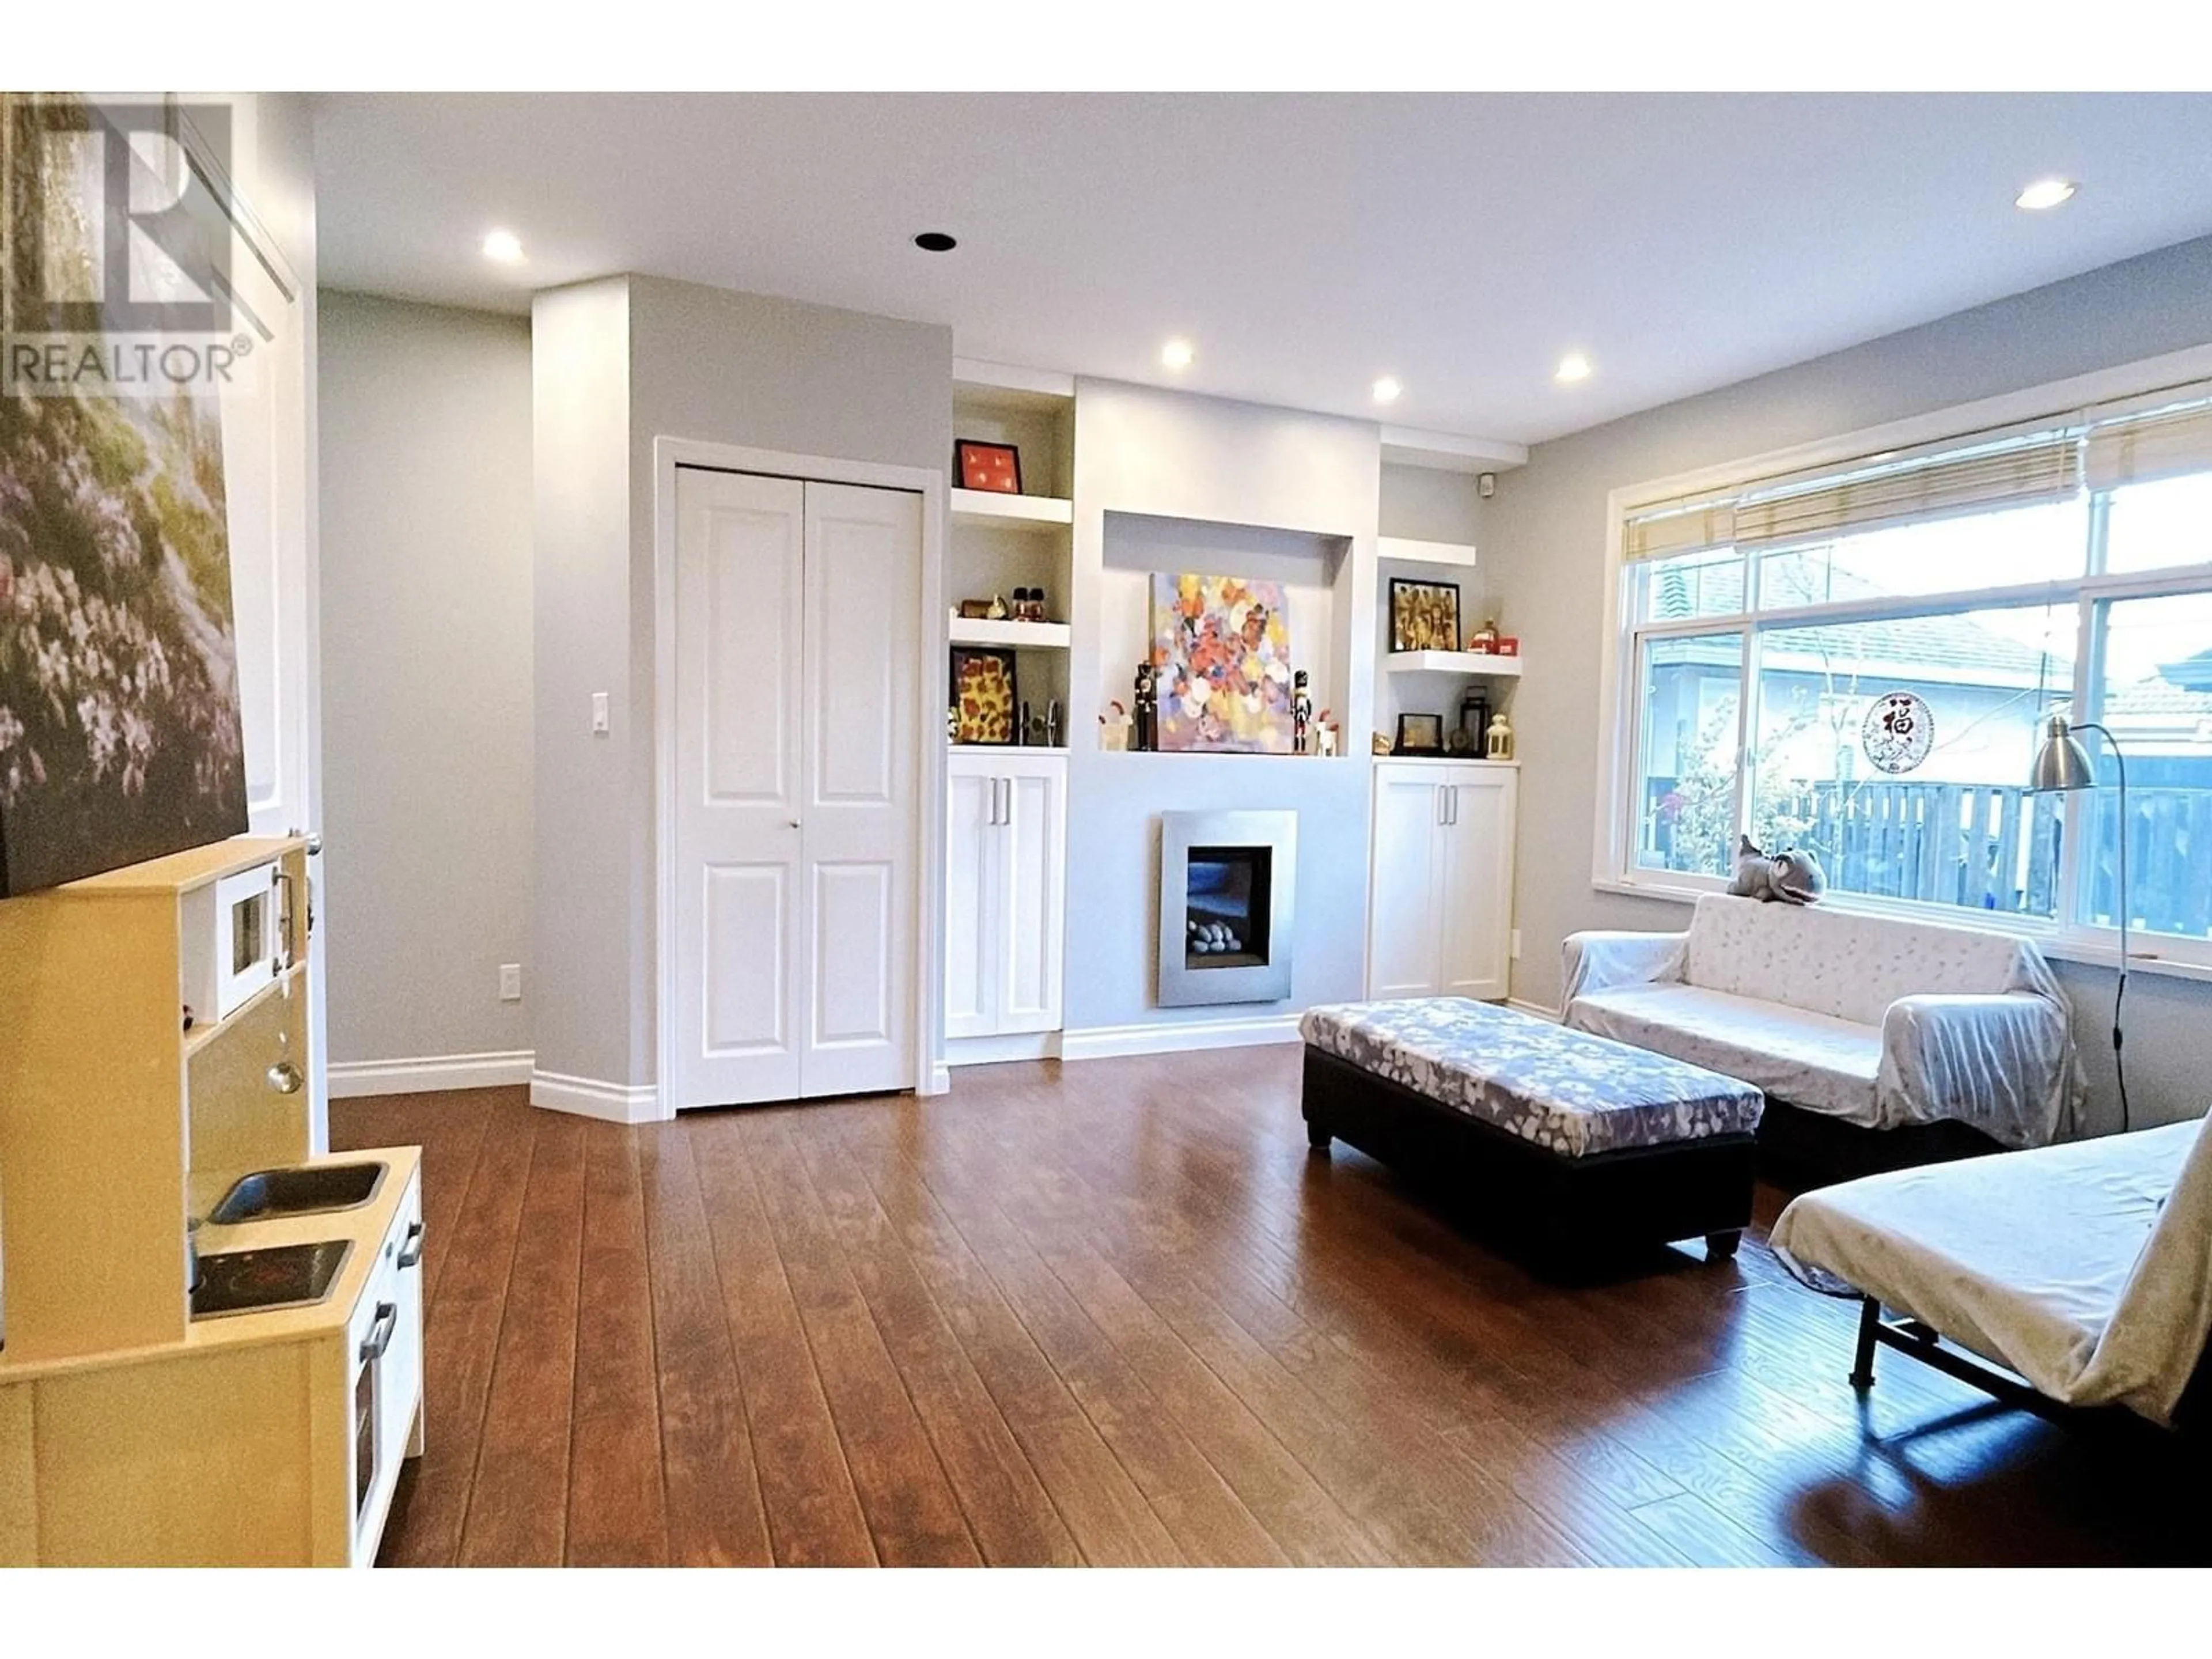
[(1228, 890)]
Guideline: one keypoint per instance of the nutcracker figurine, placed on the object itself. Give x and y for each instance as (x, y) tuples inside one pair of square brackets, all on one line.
[(1147, 734)]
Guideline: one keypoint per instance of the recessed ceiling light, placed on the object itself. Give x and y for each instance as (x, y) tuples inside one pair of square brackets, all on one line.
[(1177, 354), (2045, 193), (1388, 388), (503, 248), (935, 241), (1573, 367)]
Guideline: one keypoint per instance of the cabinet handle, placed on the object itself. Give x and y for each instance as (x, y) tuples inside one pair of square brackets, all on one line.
[(411, 1248), (379, 1333), (284, 1077), (1440, 806), (1452, 789)]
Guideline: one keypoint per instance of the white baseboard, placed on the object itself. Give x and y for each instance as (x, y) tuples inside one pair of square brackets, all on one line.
[(1105, 1041), (992, 1050), (1536, 1008), (586, 1096), (429, 1073)]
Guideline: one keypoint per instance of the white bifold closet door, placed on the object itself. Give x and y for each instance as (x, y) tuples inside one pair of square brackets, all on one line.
[(797, 661)]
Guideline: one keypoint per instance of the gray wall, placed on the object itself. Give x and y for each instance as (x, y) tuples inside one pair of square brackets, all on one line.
[(586, 950), (621, 363), (1545, 561), (426, 614)]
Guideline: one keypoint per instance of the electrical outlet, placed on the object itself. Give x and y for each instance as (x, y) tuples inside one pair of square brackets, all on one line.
[(1517, 944), (510, 981)]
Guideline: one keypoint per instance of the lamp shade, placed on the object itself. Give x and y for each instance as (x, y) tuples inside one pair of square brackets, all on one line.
[(2061, 763)]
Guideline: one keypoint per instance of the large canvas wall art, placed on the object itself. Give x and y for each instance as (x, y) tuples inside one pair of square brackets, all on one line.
[(1221, 646), (120, 734)]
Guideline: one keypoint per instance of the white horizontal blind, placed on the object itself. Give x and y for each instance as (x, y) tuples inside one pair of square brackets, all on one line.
[(2021, 470), (1661, 531), (2162, 443)]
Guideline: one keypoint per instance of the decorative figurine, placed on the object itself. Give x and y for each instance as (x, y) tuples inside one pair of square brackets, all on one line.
[(1483, 640), (1022, 733), (1500, 745), (1148, 734), (997, 611), (1055, 725), (1301, 715)]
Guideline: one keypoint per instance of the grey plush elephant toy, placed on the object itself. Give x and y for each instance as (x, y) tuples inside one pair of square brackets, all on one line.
[(1793, 877)]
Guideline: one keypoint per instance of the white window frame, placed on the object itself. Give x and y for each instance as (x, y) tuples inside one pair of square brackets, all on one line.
[(1613, 867)]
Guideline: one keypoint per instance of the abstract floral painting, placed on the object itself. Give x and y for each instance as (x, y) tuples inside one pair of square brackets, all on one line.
[(1222, 647)]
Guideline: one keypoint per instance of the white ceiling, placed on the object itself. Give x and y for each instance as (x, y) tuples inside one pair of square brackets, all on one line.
[(1305, 244)]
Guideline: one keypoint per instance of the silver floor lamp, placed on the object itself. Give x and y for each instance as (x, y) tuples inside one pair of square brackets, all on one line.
[(2061, 764)]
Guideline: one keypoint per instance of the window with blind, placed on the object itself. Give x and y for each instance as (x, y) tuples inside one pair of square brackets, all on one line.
[(2063, 565)]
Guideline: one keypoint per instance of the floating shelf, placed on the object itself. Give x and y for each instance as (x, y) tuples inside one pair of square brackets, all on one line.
[(1037, 636), (991, 511), (1407, 550), (1488, 664)]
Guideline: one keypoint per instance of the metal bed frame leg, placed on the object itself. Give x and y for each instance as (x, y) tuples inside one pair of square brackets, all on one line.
[(1862, 1361)]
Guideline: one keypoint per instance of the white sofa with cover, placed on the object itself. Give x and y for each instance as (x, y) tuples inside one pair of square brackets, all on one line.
[(1874, 1020)]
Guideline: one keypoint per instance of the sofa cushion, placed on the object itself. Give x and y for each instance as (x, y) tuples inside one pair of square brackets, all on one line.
[(1809, 1060), (1849, 966)]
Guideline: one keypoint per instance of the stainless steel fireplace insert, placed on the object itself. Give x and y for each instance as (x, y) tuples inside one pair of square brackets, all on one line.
[(1228, 892)]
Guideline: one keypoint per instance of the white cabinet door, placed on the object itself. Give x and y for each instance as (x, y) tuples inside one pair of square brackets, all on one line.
[(1032, 840), (1476, 839), (1404, 938), (740, 916), (972, 793), (860, 708)]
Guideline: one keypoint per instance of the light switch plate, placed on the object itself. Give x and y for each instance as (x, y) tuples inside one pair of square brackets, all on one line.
[(1517, 944), (510, 981), (600, 713)]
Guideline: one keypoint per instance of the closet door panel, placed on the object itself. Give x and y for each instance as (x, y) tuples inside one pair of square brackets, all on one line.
[(860, 711), (740, 594)]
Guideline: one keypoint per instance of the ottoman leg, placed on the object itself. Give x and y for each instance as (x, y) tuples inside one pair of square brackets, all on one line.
[(1317, 1136), (1720, 1247)]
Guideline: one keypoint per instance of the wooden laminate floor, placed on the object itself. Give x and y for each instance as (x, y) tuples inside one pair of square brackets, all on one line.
[(1116, 1314)]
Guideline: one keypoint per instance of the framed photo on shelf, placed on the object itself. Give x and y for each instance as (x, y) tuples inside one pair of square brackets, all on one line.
[(994, 468), (984, 698), (1424, 616), (1420, 734)]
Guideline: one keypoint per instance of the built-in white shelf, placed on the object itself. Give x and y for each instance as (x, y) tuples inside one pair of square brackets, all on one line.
[(1007, 748), (1488, 664), (1474, 757), (1034, 635), (988, 510), (1458, 555)]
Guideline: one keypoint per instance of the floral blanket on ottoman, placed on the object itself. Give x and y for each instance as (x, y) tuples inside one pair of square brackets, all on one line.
[(1566, 1090)]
